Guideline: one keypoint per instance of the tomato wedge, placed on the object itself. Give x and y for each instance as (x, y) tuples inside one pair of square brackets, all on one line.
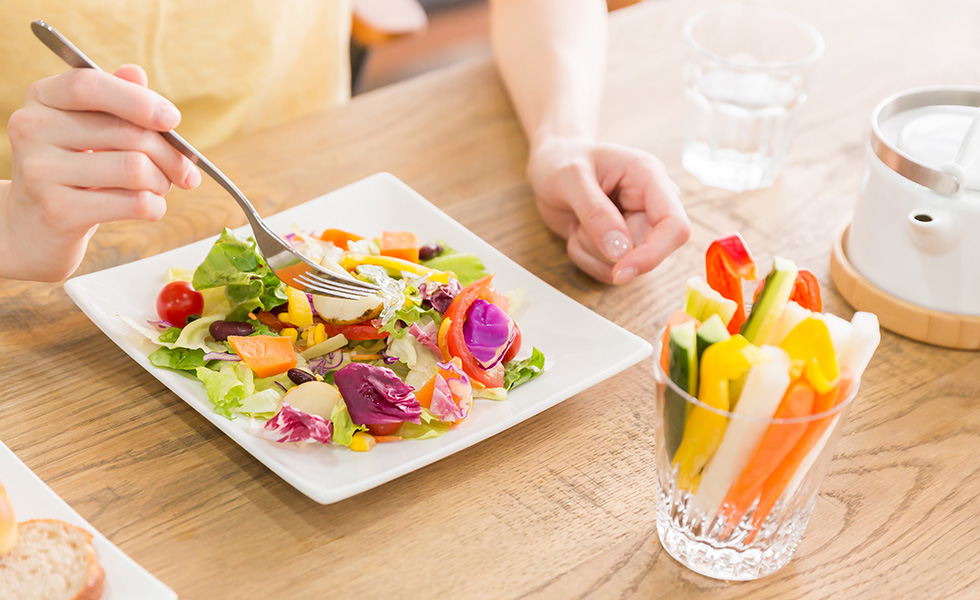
[(366, 330), (726, 263), (456, 343), (806, 291)]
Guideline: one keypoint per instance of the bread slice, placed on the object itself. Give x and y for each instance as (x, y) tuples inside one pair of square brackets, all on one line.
[(51, 561)]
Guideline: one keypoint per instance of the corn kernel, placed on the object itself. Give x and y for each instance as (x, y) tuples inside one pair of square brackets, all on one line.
[(291, 333), (362, 442), (285, 318)]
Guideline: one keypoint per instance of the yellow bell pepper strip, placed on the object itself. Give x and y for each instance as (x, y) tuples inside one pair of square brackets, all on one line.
[(704, 429), (393, 265), (809, 344), (298, 311)]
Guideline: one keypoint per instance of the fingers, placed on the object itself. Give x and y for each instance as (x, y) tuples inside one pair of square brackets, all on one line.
[(600, 220), (124, 170), (562, 222), (91, 90), (133, 73), (101, 132), (586, 259), (66, 210)]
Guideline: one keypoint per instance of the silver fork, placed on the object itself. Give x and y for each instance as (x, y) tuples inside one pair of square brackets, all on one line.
[(287, 263)]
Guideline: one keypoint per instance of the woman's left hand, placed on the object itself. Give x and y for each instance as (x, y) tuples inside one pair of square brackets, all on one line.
[(616, 206)]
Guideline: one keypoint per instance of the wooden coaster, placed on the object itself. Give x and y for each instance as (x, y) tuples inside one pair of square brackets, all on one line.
[(901, 316)]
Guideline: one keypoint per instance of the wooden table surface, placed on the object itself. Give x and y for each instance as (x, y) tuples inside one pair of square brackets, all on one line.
[(561, 506)]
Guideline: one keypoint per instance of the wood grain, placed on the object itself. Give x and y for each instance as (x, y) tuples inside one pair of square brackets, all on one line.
[(560, 506)]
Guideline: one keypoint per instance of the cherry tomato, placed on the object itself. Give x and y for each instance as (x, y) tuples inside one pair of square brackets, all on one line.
[(177, 301), (515, 346), (384, 428)]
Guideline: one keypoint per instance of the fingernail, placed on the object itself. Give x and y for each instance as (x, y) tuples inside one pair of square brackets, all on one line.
[(167, 116), (193, 179), (624, 275), (615, 245)]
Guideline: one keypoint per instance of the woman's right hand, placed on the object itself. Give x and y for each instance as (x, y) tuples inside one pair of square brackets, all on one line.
[(86, 150)]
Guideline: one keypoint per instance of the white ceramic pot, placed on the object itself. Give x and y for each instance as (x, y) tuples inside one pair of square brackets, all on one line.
[(916, 227)]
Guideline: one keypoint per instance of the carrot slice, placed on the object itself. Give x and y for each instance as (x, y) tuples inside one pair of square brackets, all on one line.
[(266, 355), (776, 484), (400, 244), (775, 445), (339, 237)]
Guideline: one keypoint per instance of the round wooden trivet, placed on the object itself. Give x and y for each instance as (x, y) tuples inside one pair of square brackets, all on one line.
[(901, 316)]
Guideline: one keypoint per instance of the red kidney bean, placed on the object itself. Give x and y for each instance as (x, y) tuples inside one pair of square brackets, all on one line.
[(299, 376), (430, 251), (220, 330)]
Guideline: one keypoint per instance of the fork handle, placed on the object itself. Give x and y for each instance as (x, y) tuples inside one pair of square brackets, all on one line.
[(74, 57)]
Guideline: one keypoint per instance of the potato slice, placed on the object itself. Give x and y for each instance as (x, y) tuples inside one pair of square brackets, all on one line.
[(314, 397), (341, 311)]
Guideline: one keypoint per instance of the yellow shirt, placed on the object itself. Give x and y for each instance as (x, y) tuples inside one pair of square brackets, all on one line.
[(230, 66)]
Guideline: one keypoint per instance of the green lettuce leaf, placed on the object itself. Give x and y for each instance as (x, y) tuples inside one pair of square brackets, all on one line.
[(467, 267), (228, 387), (409, 313), (180, 359), (430, 427), (170, 336), (249, 284), (343, 428), (517, 372)]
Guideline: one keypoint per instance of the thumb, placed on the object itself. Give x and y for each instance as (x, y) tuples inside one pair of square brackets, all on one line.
[(600, 219), (132, 73)]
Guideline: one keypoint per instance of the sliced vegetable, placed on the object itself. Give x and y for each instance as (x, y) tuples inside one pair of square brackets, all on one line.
[(400, 244), (519, 372), (684, 373), (466, 267), (314, 397), (394, 266), (237, 265), (488, 332), (727, 262), (339, 238), (766, 312), (710, 332), (806, 291), (679, 316), (454, 321), (764, 388), (778, 441), (376, 395), (701, 301), (704, 429), (448, 395), (366, 330), (344, 311), (291, 424), (362, 442), (299, 311), (265, 355)]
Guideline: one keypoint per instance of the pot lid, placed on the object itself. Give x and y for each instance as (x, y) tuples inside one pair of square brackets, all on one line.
[(919, 133)]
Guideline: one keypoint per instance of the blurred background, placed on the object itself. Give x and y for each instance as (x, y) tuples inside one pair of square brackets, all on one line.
[(393, 40)]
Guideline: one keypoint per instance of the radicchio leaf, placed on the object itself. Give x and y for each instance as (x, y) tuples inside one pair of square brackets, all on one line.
[(376, 395), (290, 424)]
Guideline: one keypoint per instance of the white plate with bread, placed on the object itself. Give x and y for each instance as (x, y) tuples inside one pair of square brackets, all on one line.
[(48, 551)]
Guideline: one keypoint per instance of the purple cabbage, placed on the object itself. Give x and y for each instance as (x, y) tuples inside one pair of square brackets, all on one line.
[(426, 336), (376, 395), (440, 295), (488, 332), (322, 365), (160, 325), (290, 424), (451, 398)]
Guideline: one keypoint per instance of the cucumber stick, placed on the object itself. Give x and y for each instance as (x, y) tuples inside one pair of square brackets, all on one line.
[(761, 323), (700, 301), (710, 332), (684, 373)]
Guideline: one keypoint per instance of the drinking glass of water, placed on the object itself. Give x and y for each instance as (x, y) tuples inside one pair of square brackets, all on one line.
[(745, 84)]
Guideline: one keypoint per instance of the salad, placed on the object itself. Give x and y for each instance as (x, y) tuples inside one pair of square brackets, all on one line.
[(784, 359), (406, 363)]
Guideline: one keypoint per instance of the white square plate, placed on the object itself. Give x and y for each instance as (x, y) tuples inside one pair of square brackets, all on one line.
[(32, 499), (581, 348)]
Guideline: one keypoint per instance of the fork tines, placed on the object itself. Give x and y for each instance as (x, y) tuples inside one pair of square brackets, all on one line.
[(336, 287)]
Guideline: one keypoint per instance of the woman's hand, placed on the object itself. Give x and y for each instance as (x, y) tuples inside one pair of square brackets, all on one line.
[(615, 205), (86, 150)]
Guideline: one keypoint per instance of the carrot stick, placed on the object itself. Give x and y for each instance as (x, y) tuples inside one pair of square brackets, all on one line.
[(776, 484), (387, 438), (775, 445)]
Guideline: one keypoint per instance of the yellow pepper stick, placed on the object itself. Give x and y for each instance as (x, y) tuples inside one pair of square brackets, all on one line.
[(351, 261), (704, 429), (809, 344)]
